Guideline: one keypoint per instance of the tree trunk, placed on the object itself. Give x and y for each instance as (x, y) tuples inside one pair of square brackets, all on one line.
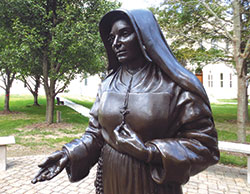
[(7, 100), (49, 87), (242, 109), (35, 96), (241, 73), (50, 109), (247, 115)]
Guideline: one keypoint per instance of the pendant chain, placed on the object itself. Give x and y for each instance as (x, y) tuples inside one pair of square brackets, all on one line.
[(125, 110)]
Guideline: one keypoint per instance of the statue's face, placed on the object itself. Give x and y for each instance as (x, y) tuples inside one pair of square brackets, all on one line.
[(124, 42)]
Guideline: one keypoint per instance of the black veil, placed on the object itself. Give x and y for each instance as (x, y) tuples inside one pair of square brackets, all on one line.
[(154, 48)]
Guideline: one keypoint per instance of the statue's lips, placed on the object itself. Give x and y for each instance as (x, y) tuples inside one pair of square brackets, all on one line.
[(121, 53)]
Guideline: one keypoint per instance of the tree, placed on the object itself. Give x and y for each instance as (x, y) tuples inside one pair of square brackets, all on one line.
[(227, 21), (8, 61), (66, 36), (15, 53), (30, 70), (7, 73), (32, 83)]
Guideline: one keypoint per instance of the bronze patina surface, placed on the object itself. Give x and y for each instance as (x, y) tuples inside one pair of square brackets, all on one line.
[(151, 126)]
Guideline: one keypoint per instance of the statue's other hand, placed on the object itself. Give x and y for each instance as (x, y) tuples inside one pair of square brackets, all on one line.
[(129, 142), (52, 166)]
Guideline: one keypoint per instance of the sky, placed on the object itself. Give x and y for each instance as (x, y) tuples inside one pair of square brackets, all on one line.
[(130, 4)]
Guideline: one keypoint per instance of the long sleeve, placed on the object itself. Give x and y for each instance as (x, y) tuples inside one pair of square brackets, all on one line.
[(83, 153), (193, 147)]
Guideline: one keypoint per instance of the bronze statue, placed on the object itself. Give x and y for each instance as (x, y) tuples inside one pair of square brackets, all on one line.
[(151, 126)]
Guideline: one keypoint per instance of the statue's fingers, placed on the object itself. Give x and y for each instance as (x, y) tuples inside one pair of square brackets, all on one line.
[(52, 174), (40, 176), (44, 176), (41, 171), (46, 162), (34, 181), (57, 169)]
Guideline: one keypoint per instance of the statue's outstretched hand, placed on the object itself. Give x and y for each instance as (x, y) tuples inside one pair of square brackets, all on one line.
[(52, 166)]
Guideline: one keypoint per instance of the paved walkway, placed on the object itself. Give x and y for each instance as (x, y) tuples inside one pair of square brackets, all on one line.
[(78, 108), (218, 179)]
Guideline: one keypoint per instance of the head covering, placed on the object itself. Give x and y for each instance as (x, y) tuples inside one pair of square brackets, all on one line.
[(153, 45)]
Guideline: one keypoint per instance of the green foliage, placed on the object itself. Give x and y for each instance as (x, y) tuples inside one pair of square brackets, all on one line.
[(209, 31), (67, 30), (192, 29), (53, 39)]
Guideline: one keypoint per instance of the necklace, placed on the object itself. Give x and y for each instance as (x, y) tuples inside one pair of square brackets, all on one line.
[(124, 111)]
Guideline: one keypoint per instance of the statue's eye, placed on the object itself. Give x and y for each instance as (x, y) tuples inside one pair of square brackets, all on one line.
[(111, 38), (126, 32)]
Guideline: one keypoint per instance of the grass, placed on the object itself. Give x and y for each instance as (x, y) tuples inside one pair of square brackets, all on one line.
[(225, 117), (229, 100), (87, 104), (27, 124), (233, 159), (224, 112)]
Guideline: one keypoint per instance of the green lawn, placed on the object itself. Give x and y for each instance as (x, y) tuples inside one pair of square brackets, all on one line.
[(225, 116), (229, 100), (85, 103), (27, 124)]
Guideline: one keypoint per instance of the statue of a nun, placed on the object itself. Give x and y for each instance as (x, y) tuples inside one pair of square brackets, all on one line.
[(151, 126)]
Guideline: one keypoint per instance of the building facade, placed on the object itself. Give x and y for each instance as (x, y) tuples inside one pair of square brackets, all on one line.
[(220, 81)]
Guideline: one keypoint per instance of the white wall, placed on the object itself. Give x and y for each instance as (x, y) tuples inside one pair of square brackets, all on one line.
[(78, 88), (84, 88), (216, 91)]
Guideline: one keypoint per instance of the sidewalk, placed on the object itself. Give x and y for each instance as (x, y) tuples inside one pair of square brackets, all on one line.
[(218, 179), (78, 108)]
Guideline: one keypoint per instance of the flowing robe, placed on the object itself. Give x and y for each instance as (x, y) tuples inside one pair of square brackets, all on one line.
[(176, 122)]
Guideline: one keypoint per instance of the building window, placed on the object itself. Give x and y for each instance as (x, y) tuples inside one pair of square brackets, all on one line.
[(221, 80), (230, 80), (86, 81), (210, 80)]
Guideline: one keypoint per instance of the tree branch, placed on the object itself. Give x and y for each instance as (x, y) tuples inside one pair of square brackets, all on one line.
[(247, 77), (219, 27), (12, 78), (219, 19), (3, 79), (246, 52), (60, 90), (58, 66)]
